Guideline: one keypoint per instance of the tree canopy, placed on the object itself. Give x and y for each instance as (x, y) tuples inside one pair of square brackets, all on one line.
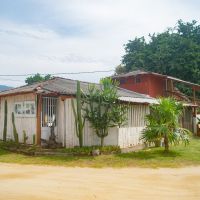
[(37, 78), (174, 52)]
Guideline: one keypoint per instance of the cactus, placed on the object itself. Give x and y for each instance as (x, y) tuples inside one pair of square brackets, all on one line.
[(33, 139), (79, 121), (5, 121), (14, 129), (25, 138)]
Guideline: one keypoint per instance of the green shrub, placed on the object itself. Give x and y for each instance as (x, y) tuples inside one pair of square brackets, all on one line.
[(15, 133), (34, 139), (5, 121)]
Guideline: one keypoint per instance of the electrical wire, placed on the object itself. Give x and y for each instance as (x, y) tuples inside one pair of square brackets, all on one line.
[(54, 74)]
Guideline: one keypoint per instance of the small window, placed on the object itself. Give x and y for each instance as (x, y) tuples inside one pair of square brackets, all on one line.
[(29, 108), (25, 109), (19, 108)]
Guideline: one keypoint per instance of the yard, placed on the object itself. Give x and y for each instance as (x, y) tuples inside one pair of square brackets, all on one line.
[(179, 156)]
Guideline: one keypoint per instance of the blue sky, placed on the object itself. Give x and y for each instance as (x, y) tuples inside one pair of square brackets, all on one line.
[(49, 36)]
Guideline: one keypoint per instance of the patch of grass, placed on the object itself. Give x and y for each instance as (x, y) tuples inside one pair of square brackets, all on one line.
[(178, 156)]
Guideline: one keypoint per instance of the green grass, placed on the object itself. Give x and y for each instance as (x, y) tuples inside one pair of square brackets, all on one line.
[(179, 156)]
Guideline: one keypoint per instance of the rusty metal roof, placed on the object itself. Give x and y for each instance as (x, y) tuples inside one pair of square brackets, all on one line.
[(139, 72)]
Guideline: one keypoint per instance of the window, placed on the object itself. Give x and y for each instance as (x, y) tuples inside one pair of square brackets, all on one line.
[(25, 109), (49, 106), (19, 108), (29, 108)]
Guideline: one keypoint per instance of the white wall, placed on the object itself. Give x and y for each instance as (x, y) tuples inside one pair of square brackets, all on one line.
[(129, 137), (126, 136), (22, 123)]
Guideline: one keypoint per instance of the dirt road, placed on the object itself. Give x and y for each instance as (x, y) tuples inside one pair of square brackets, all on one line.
[(24, 182)]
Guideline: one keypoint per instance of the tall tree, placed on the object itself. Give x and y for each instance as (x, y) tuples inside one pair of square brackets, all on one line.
[(37, 78), (174, 52)]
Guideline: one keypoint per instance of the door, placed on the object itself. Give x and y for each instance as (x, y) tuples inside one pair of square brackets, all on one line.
[(49, 116)]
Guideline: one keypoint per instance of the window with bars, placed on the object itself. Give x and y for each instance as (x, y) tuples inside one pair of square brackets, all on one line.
[(49, 106)]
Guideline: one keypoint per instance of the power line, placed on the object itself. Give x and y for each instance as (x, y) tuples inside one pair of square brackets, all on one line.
[(6, 79), (54, 74)]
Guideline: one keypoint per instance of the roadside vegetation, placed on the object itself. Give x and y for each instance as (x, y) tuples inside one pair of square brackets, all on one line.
[(163, 124), (178, 156)]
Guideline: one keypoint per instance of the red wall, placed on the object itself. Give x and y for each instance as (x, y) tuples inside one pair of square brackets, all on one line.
[(149, 84)]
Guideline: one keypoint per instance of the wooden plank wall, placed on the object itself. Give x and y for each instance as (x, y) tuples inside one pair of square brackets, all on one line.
[(129, 137), (136, 115), (66, 127), (22, 123)]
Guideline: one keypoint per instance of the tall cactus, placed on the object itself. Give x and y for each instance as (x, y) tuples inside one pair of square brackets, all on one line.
[(5, 121), (14, 129), (79, 121), (25, 137), (34, 139)]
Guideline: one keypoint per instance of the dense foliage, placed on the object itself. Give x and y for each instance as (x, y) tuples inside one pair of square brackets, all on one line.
[(163, 124), (102, 109), (174, 52), (37, 78)]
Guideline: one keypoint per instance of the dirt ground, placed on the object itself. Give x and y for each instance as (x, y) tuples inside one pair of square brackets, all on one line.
[(24, 182)]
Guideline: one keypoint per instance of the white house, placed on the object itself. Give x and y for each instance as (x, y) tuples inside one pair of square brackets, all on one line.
[(36, 105)]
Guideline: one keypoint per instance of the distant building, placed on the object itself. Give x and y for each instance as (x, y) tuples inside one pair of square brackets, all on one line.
[(158, 85)]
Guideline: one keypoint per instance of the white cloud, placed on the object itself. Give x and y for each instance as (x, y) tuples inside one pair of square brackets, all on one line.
[(104, 26)]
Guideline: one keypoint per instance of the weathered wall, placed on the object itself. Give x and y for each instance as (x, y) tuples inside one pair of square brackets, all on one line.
[(151, 85), (66, 128), (22, 123), (130, 137)]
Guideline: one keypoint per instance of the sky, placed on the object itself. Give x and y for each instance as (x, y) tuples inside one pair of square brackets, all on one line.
[(64, 36)]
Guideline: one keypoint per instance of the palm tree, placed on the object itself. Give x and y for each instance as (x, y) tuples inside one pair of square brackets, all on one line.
[(162, 123)]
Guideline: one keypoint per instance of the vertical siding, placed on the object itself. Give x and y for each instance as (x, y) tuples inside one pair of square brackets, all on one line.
[(22, 123), (89, 137), (130, 134), (125, 137), (136, 115), (129, 137)]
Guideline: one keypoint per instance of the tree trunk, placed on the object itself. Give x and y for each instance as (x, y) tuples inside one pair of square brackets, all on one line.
[(166, 142), (80, 140), (102, 141)]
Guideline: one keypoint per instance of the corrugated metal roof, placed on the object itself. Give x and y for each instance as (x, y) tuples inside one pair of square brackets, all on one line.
[(67, 87), (139, 100), (138, 72), (133, 73)]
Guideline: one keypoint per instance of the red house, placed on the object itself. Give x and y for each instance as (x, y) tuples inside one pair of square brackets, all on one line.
[(158, 85), (155, 85)]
